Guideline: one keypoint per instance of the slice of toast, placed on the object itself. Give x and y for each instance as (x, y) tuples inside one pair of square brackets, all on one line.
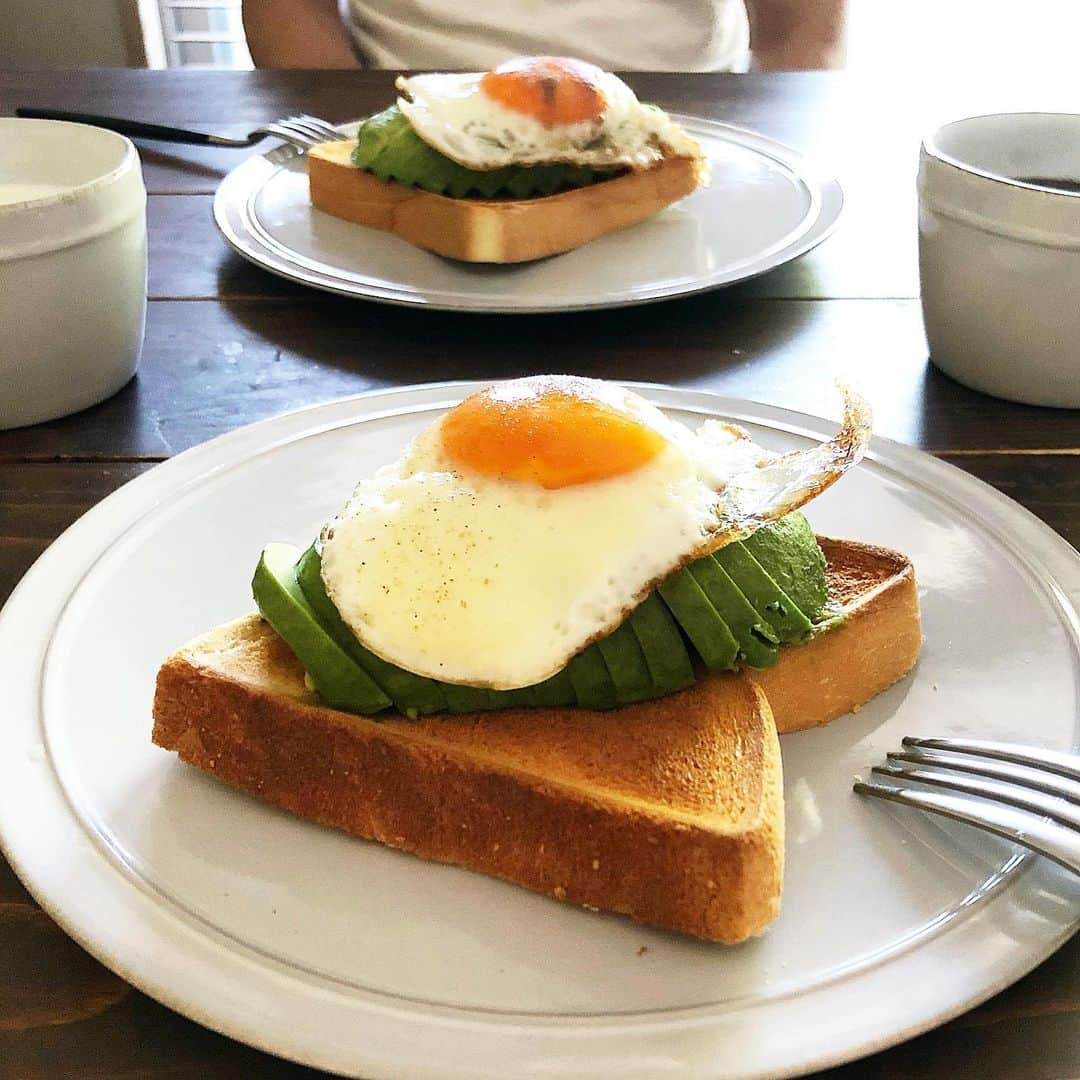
[(670, 811), (874, 643), (494, 230)]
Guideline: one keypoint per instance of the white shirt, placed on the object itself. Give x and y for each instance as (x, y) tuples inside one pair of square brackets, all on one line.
[(477, 35)]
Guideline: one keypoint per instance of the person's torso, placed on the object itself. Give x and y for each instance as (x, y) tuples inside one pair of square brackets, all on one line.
[(641, 35)]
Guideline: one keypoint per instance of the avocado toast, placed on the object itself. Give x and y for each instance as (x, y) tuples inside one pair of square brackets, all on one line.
[(531, 159), (642, 775)]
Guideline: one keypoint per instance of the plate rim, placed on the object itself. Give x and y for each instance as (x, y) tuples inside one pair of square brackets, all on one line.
[(238, 186), (171, 473)]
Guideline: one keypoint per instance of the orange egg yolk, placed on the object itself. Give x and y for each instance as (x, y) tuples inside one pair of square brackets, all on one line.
[(553, 438), (551, 89)]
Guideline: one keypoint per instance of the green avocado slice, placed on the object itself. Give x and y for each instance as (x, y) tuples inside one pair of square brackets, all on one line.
[(388, 147), (701, 622), (769, 600), (663, 647), (373, 136), (789, 553), (556, 692), (408, 159), (414, 695), (757, 642), (523, 697), (593, 685), (739, 602), (466, 699), (342, 683), (625, 660)]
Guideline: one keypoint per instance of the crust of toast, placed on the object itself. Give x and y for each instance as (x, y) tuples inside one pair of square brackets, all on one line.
[(669, 811), (875, 642), (494, 230)]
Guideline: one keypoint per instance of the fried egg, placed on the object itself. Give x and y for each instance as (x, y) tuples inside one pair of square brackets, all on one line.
[(540, 110), (530, 519)]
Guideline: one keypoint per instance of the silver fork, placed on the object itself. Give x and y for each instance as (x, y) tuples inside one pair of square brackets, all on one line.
[(301, 131), (1023, 793)]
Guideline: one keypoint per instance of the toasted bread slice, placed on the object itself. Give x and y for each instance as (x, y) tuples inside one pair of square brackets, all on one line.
[(874, 643), (669, 811), (494, 230)]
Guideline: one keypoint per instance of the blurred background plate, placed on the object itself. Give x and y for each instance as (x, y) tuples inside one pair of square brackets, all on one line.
[(766, 205)]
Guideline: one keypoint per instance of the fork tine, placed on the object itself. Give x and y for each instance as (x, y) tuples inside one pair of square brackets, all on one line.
[(302, 123), (290, 134), (1048, 838), (1036, 779), (295, 125), (324, 126), (1024, 798), (298, 123), (1054, 761)]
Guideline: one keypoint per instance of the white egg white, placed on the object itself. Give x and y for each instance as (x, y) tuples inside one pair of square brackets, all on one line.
[(491, 582), (452, 114)]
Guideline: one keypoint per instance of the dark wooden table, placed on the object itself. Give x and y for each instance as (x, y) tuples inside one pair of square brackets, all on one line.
[(227, 344)]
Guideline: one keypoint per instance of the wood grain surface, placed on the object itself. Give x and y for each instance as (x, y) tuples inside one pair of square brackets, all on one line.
[(227, 344), (210, 365)]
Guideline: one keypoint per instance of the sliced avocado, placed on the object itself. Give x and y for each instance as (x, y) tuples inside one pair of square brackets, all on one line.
[(414, 161), (412, 694), (625, 660), (466, 699), (389, 147), (523, 697), (593, 686), (789, 553), (342, 683), (556, 692), (769, 600), (373, 135), (701, 623), (393, 151), (757, 643), (660, 640)]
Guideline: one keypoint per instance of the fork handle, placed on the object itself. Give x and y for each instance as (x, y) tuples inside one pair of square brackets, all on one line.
[(1057, 842), (132, 127)]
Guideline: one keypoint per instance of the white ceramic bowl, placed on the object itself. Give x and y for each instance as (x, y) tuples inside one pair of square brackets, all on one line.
[(999, 254), (72, 267)]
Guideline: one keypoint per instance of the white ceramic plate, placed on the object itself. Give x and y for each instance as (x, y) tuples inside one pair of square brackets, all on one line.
[(765, 206), (359, 959)]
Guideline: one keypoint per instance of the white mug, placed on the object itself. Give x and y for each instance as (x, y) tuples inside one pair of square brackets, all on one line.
[(72, 267), (999, 254)]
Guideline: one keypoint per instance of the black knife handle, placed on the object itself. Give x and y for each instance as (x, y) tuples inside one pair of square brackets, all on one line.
[(131, 127)]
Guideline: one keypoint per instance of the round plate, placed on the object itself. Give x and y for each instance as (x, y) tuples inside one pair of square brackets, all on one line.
[(359, 959), (765, 206)]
